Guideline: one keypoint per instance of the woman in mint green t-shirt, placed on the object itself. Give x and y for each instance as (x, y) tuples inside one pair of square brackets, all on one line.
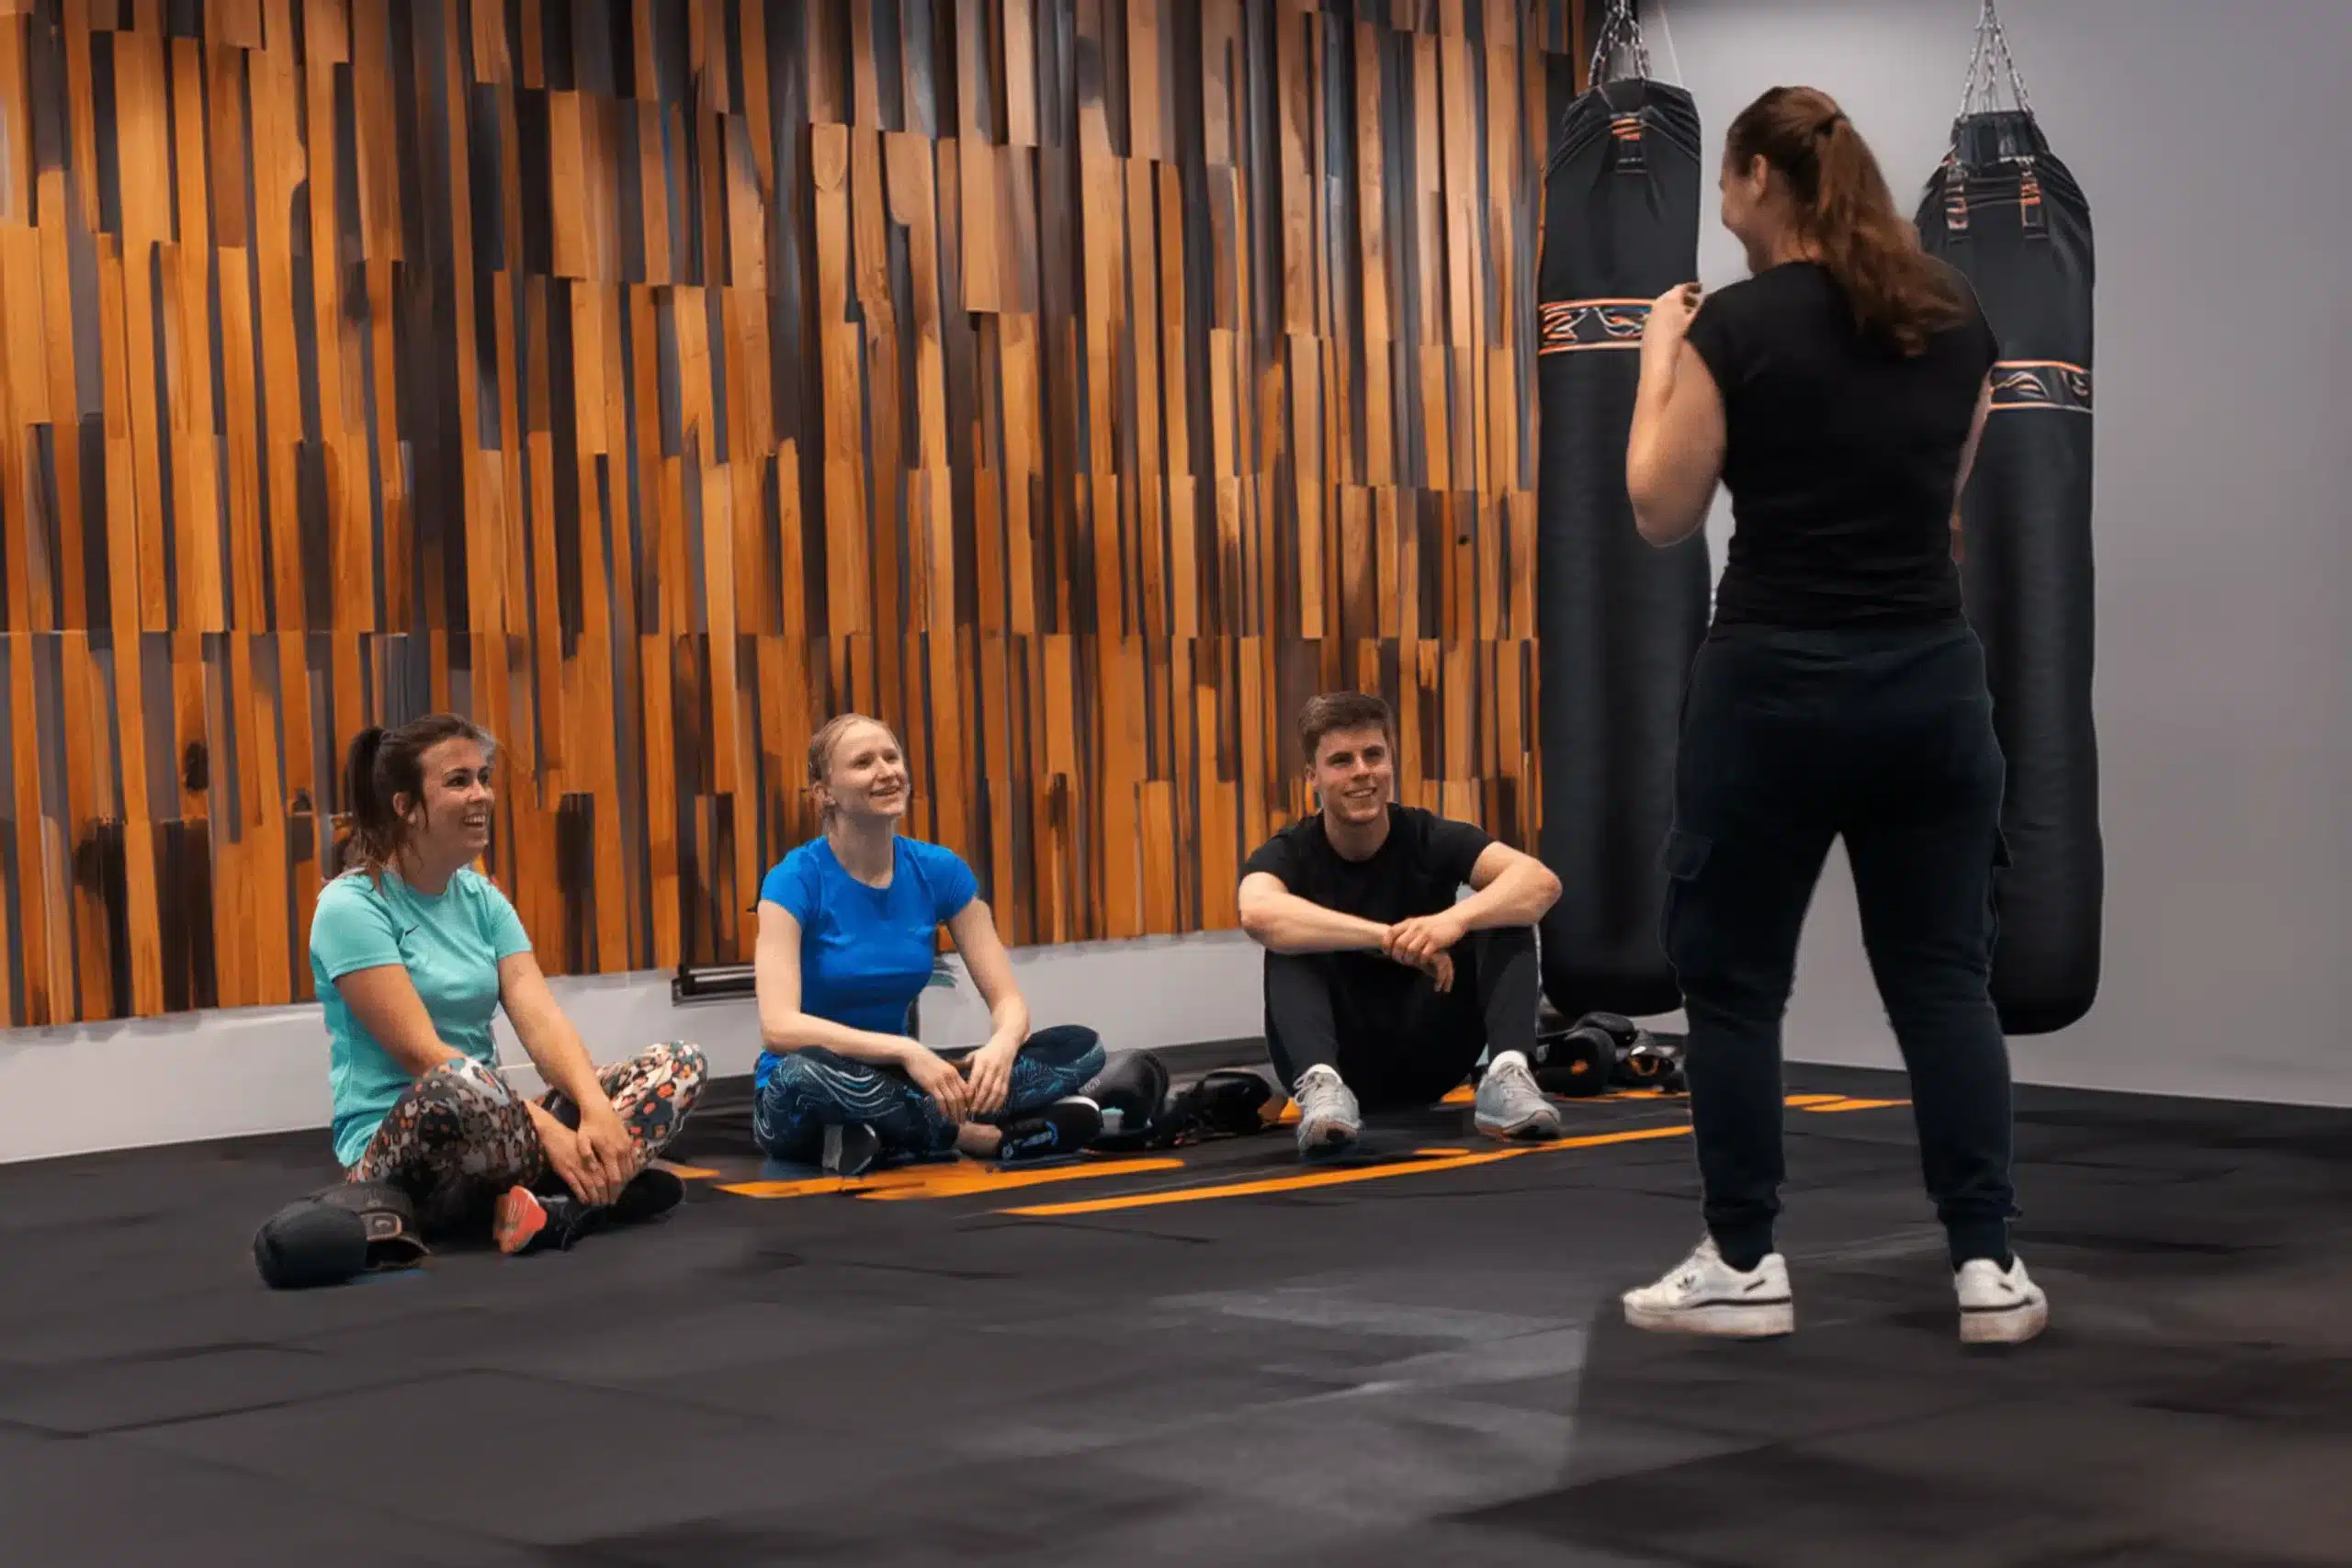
[(413, 953)]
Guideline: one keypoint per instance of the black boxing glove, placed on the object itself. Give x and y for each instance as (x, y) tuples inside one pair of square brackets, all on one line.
[(336, 1235)]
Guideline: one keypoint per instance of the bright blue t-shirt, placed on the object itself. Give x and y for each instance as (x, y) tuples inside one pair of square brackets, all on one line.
[(865, 952), (450, 944)]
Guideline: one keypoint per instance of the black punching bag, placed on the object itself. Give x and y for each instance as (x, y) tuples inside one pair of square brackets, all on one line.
[(2007, 214), (1617, 620)]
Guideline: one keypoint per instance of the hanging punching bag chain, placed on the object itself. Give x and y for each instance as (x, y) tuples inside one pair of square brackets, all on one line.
[(1992, 51), (1620, 30)]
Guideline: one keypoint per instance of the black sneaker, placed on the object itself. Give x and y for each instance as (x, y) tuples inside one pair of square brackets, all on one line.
[(651, 1193), (1052, 1133), (851, 1149), (528, 1222)]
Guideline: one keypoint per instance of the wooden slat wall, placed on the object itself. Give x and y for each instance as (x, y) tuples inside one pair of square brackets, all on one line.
[(1077, 383)]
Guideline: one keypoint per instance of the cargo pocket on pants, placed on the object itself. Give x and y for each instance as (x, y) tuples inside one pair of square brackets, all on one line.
[(2002, 860), (1682, 858)]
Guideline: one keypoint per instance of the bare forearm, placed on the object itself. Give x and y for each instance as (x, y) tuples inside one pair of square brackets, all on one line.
[(1650, 397), (555, 1048), (794, 1030), (1520, 896), (1009, 1020), (418, 1058), (1283, 922)]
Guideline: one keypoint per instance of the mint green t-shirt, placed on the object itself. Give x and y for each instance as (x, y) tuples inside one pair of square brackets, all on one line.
[(450, 944)]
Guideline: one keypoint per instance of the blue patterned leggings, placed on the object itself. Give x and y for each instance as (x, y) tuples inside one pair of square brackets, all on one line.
[(810, 1088)]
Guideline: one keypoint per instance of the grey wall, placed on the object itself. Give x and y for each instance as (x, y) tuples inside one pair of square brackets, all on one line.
[(2211, 141)]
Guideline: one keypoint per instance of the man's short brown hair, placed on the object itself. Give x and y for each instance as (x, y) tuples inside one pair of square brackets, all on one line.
[(1341, 710)]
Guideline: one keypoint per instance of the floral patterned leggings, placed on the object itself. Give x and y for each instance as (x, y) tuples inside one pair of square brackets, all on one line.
[(460, 1136)]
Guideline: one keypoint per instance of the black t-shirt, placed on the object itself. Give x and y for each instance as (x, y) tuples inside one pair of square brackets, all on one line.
[(1418, 870), (1840, 454)]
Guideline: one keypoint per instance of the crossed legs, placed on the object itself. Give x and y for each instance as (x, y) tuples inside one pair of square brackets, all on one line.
[(811, 1088), (460, 1136)]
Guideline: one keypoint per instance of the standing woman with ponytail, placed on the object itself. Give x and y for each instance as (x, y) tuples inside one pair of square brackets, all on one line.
[(1838, 393), (413, 951)]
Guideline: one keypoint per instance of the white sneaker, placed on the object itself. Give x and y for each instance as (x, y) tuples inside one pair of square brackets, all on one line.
[(1328, 1119), (1509, 1105), (1707, 1295), (1997, 1308)]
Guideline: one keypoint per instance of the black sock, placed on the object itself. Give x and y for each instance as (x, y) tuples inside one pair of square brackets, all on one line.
[(1744, 1252), (2004, 1261), (1973, 1239)]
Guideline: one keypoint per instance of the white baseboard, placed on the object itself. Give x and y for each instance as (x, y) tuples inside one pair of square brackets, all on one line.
[(192, 1076)]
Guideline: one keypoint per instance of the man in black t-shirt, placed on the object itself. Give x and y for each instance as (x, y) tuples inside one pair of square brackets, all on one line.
[(1383, 984)]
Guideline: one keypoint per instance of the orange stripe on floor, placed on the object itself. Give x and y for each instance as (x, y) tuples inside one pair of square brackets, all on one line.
[(945, 1179), (1309, 1180), (1840, 1103), (687, 1172)]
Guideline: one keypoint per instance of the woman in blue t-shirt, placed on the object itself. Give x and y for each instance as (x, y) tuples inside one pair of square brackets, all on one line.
[(413, 951), (849, 923)]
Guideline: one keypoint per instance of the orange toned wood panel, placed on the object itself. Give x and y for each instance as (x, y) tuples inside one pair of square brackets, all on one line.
[(1079, 384)]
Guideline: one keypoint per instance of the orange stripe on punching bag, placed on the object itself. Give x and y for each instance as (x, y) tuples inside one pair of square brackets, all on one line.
[(1625, 130), (1573, 326)]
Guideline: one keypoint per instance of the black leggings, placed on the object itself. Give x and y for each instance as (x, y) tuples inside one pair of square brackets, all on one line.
[(1397, 1041), (1789, 740)]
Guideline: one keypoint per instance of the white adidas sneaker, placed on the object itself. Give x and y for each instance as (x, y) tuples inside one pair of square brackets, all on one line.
[(1705, 1295), (1997, 1308)]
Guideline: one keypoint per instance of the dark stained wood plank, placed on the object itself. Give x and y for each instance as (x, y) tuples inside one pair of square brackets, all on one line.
[(390, 484), (1220, 22), (914, 206), (90, 798), (1094, 67), (37, 935), (1061, 888), (1179, 369), (82, 537), (1257, 726), (660, 655), (305, 800), (884, 391)]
